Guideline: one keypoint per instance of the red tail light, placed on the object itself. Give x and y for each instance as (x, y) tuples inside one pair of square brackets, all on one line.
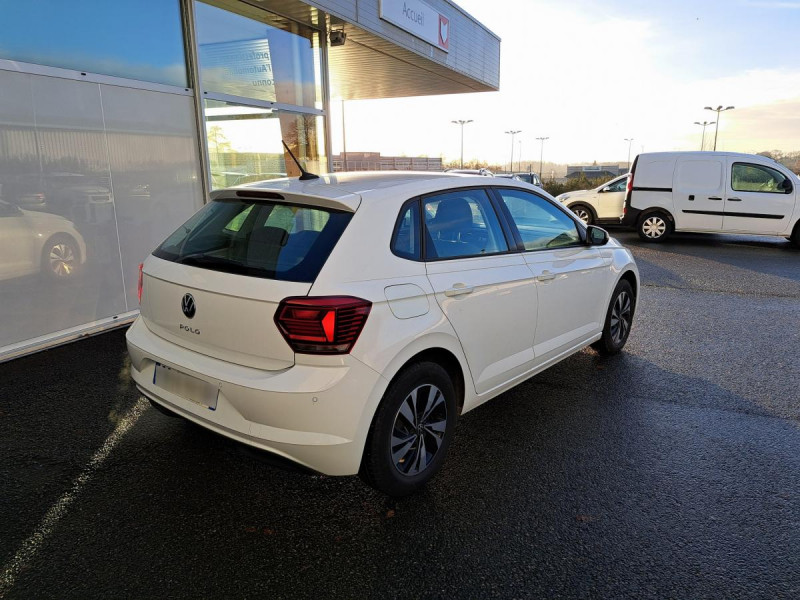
[(324, 325), (139, 284), (628, 190)]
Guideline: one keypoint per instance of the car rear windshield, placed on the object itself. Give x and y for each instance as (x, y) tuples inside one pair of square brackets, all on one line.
[(259, 238)]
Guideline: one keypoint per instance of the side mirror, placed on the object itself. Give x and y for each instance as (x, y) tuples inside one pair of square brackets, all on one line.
[(786, 186), (606, 189), (596, 236)]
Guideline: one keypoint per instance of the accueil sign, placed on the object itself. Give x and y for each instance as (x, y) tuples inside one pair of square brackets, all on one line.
[(418, 19)]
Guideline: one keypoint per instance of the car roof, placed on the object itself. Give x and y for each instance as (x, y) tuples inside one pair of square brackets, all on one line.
[(347, 189)]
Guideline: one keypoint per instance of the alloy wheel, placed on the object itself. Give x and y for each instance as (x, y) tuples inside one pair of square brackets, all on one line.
[(621, 315), (62, 260), (419, 428), (654, 227), (582, 214)]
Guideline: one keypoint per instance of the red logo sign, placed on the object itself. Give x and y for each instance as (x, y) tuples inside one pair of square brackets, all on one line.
[(444, 32)]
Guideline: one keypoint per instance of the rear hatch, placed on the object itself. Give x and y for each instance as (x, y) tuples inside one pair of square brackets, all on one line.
[(214, 285)]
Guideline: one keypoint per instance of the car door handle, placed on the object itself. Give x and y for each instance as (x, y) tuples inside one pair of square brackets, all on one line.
[(734, 199), (546, 276), (459, 289), (714, 198)]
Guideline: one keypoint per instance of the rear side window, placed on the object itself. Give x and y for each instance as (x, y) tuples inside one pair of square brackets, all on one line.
[(257, 238), (460, 224), (405, 242)]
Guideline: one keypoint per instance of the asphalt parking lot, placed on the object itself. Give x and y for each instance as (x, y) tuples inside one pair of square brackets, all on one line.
[(670, 471)]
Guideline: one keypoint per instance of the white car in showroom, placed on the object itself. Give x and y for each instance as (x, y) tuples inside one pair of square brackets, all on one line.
[(36, 242), (601, 205), (345, 322)]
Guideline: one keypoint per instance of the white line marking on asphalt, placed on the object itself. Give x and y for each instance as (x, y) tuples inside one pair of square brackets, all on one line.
[(31, 545)]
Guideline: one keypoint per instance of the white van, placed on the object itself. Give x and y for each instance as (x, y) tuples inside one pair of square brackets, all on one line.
[(715, 192)]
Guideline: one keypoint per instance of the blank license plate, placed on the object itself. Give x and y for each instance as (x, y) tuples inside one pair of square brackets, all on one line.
[(187, 387)]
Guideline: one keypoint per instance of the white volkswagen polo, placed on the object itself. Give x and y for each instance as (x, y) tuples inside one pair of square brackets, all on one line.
[(346, 322)]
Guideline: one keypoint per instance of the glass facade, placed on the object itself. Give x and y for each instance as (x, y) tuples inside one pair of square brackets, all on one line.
[(244, 57), (244, 143), (134, 39), (94, 176)]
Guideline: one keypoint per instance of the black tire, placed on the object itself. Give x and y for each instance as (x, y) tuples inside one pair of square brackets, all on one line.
[(654, 227), (61, 258), (615, 329), (382, 469), (795, 239), (584, 213)]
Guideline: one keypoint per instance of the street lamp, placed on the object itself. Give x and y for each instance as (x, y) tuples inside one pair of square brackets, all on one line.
[(519, 156), (513, 132), (630, 141), (462, 122), (541, 156), (718, 110), (704, 124)]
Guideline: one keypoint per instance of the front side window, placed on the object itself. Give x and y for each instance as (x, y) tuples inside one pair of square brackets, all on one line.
[(461, 224), (757, 178), (619, 186), (540, 224), (261, 239)]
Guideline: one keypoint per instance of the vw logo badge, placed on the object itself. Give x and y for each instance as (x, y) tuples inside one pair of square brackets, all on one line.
[(188, 306)]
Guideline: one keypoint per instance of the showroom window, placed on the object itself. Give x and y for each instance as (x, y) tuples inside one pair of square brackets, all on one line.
[(250, 58), (244, 143), (133, 39)]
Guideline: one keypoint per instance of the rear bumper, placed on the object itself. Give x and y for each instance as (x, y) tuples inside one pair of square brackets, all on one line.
[(317, 415)]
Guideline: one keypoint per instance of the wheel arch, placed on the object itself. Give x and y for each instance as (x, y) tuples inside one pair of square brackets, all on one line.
[(655, 209), (584, 205), (445, 359), (631, 278)]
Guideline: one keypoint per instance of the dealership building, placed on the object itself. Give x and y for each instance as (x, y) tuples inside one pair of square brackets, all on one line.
[(118, 118)]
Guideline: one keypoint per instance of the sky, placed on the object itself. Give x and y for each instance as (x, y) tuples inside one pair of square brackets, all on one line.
[(590, 73)]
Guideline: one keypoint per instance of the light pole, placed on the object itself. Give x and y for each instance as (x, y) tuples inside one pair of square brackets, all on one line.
[(462, 122), (718, 110), (630, 141), (541, 156), (703, 139), (513, 132), (519, 156)]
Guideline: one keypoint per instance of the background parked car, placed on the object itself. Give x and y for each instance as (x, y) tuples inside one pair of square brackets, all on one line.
[(531, 178), (602, 204), (33, 242), (482, 172), (715, 192)]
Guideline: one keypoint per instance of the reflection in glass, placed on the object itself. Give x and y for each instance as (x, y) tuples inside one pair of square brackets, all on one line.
[(86, 182), (134, 39), (248, 58), (244, 143)]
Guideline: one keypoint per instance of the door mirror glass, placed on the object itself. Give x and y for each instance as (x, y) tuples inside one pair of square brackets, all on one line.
[(596, 236)]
